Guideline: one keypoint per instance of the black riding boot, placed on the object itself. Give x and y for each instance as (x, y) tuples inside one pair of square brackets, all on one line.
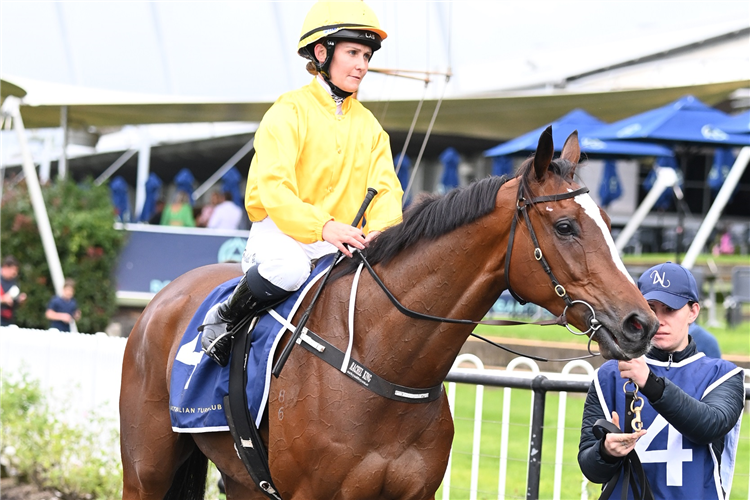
[(252, 295)]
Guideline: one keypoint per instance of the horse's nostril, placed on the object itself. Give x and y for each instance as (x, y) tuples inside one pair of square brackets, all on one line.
[(635, 328), (636, 324)]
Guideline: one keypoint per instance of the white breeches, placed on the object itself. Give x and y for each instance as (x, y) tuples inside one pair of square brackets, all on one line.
[(281, 259)]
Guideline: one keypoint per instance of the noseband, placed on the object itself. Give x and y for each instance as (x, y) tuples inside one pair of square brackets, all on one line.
[(521, 207)]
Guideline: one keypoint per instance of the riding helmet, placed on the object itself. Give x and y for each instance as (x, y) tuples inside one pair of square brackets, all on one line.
[(331, 21)]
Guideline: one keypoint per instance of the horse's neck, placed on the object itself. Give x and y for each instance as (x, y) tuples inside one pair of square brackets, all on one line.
[(459, 275)]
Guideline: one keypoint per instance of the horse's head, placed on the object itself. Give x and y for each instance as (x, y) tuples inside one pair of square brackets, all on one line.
[(595, 291)]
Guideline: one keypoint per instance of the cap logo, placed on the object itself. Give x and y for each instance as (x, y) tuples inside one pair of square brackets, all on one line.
[(369, 35), (660, 279)]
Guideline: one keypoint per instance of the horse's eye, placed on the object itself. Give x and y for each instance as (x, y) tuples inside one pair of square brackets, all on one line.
[(564, 228)]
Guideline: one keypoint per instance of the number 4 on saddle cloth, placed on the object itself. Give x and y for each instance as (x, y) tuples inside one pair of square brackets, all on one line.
[(198, 385)]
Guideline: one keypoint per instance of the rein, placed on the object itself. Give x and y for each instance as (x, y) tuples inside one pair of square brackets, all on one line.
[(559, 289)]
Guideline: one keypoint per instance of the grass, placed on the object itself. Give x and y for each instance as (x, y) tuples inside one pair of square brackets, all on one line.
[(572, 479), (701, 260), (734, 341)]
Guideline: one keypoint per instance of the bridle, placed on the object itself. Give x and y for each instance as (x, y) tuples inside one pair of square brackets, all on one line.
[(561, 320), (521, 207)]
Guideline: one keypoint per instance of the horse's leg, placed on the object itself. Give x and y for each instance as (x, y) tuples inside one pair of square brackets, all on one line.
[(151, 452), (237, 481)]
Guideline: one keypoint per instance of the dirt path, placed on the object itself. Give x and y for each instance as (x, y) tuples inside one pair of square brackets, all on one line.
[(9, 490)]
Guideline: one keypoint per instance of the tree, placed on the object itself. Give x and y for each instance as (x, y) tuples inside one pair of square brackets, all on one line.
[(82, 220)]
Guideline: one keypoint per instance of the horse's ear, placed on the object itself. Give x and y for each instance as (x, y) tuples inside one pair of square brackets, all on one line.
[(572, 150), (544, 152)]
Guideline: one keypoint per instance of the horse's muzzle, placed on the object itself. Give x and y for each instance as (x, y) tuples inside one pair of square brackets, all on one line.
[(631, 340)]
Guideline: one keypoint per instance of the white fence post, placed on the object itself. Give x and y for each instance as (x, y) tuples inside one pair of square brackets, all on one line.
[(476, 444), (506, 423), (561, 408)]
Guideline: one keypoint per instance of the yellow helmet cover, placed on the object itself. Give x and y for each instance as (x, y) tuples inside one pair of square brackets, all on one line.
[(326, 18)]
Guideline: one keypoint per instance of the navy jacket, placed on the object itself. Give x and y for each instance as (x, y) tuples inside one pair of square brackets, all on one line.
[(705, 421)]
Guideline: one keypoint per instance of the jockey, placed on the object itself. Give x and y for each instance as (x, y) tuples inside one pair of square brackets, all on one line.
[(317, 150)]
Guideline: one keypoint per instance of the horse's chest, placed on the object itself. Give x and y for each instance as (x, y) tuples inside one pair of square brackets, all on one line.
[(358, 448)]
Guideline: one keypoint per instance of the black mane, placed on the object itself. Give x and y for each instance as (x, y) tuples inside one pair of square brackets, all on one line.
[(435, 215), (432, 216)]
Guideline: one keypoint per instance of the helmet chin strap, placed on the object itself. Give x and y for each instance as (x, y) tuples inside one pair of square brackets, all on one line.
[(343, 94), (323, 67)]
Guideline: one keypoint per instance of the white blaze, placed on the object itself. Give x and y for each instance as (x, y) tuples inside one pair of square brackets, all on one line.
[(589, 206)]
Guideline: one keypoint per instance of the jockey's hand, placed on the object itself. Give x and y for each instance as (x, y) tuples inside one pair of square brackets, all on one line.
[(636, 370), (339, 235), (370, 237), (620, 444)]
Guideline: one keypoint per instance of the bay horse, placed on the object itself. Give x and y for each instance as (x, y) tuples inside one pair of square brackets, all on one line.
[(329, 437)]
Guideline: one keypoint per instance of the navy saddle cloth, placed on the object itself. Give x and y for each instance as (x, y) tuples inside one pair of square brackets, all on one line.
[(198, 385)]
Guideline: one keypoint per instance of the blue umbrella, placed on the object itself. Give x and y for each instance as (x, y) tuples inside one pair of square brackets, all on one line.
[(723, 161), (586, 125), (502, 165), (449, 158), (231, 184), (153, 189), (665, 200), (403, 173), (119, 191), (737, 124), (184, 181), (686, 120), (610, 188)]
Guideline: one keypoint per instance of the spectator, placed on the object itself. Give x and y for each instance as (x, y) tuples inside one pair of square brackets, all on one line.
[(62, 310), (726, 247), (226, 214), (208, 209), (10, 294), (705, 342), (179, 212), (690, 410), (158, 210)]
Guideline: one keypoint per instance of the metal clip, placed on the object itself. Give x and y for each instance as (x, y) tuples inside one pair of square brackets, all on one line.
[(636, 424)]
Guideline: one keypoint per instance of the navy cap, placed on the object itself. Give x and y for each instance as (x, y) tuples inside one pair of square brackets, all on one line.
[(670, 284)]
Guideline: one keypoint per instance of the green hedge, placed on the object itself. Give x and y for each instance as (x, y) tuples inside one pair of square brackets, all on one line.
[(82, 220), (38, 446)]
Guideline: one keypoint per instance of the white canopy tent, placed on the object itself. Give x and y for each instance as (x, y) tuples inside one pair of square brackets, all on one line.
[(514, 66)]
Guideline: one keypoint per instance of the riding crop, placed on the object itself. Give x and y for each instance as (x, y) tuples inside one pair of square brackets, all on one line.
[(371, 192)]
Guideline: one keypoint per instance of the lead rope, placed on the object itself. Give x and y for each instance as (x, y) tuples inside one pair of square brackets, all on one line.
[(631, 469)]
